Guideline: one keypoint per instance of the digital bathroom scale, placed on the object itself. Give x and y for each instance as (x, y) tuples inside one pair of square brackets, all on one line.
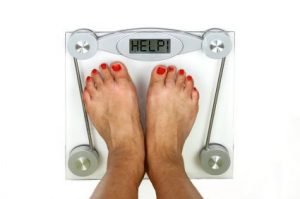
[(207, 55)]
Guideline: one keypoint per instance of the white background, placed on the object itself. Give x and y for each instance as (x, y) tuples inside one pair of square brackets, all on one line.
[(267, 115)]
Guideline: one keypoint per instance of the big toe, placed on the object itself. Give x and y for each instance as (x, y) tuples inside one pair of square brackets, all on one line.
[(119, 71), (158, 75)]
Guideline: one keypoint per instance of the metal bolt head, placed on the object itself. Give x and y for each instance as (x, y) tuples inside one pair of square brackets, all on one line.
[(216, 46), (82, 47), (215, 162), (83, 163)]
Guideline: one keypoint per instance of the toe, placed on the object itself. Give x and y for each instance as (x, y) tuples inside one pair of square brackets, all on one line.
[(86, 97), (96, 77), (195, 95), (119, 71), (90, 85), (180, 79), (106, 74), (189, 85), (158, 75), (171, 76)]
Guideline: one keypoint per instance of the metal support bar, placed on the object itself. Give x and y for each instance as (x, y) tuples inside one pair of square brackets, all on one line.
[(213, 111), (87, 124)]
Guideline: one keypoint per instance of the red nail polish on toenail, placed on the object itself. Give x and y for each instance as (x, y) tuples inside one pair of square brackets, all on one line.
[(195, 89), (116, 67), (94, 71), (181, 72), (88, 78), (160, 70), (189, 78), (171, 68), (103, 66)]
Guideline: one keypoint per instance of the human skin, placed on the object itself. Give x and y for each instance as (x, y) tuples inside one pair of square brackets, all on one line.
[(172, 104)]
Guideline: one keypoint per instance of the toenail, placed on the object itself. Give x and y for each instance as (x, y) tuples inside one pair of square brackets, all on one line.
[(195, 89), (171, 68), (181, 72), (116, 67), (88, 78), (189, 78), (103, 65), (94, 71), (160, 70)]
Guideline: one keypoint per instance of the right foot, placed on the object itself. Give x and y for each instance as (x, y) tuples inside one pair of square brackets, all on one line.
[(111, 103), (172, 107)]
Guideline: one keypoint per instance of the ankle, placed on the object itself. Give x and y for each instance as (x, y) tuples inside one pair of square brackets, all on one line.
[(166, 175), (156, 156), (170, 166), (126, 164)]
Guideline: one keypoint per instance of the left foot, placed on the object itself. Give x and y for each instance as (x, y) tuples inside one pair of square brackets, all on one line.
[(172, 107)]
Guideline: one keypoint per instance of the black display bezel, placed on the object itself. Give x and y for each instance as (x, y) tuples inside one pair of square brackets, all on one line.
[(167, 46)]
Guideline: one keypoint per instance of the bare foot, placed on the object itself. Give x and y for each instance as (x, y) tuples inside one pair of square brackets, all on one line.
[(172, 107), (111, 103)]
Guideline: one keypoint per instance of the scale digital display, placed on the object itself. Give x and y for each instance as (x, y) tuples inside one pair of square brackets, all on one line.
[(149, 46)]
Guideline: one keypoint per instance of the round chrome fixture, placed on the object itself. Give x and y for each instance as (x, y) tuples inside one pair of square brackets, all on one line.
[(83, 161), (215, 159), (83, 44), (216, 44)]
